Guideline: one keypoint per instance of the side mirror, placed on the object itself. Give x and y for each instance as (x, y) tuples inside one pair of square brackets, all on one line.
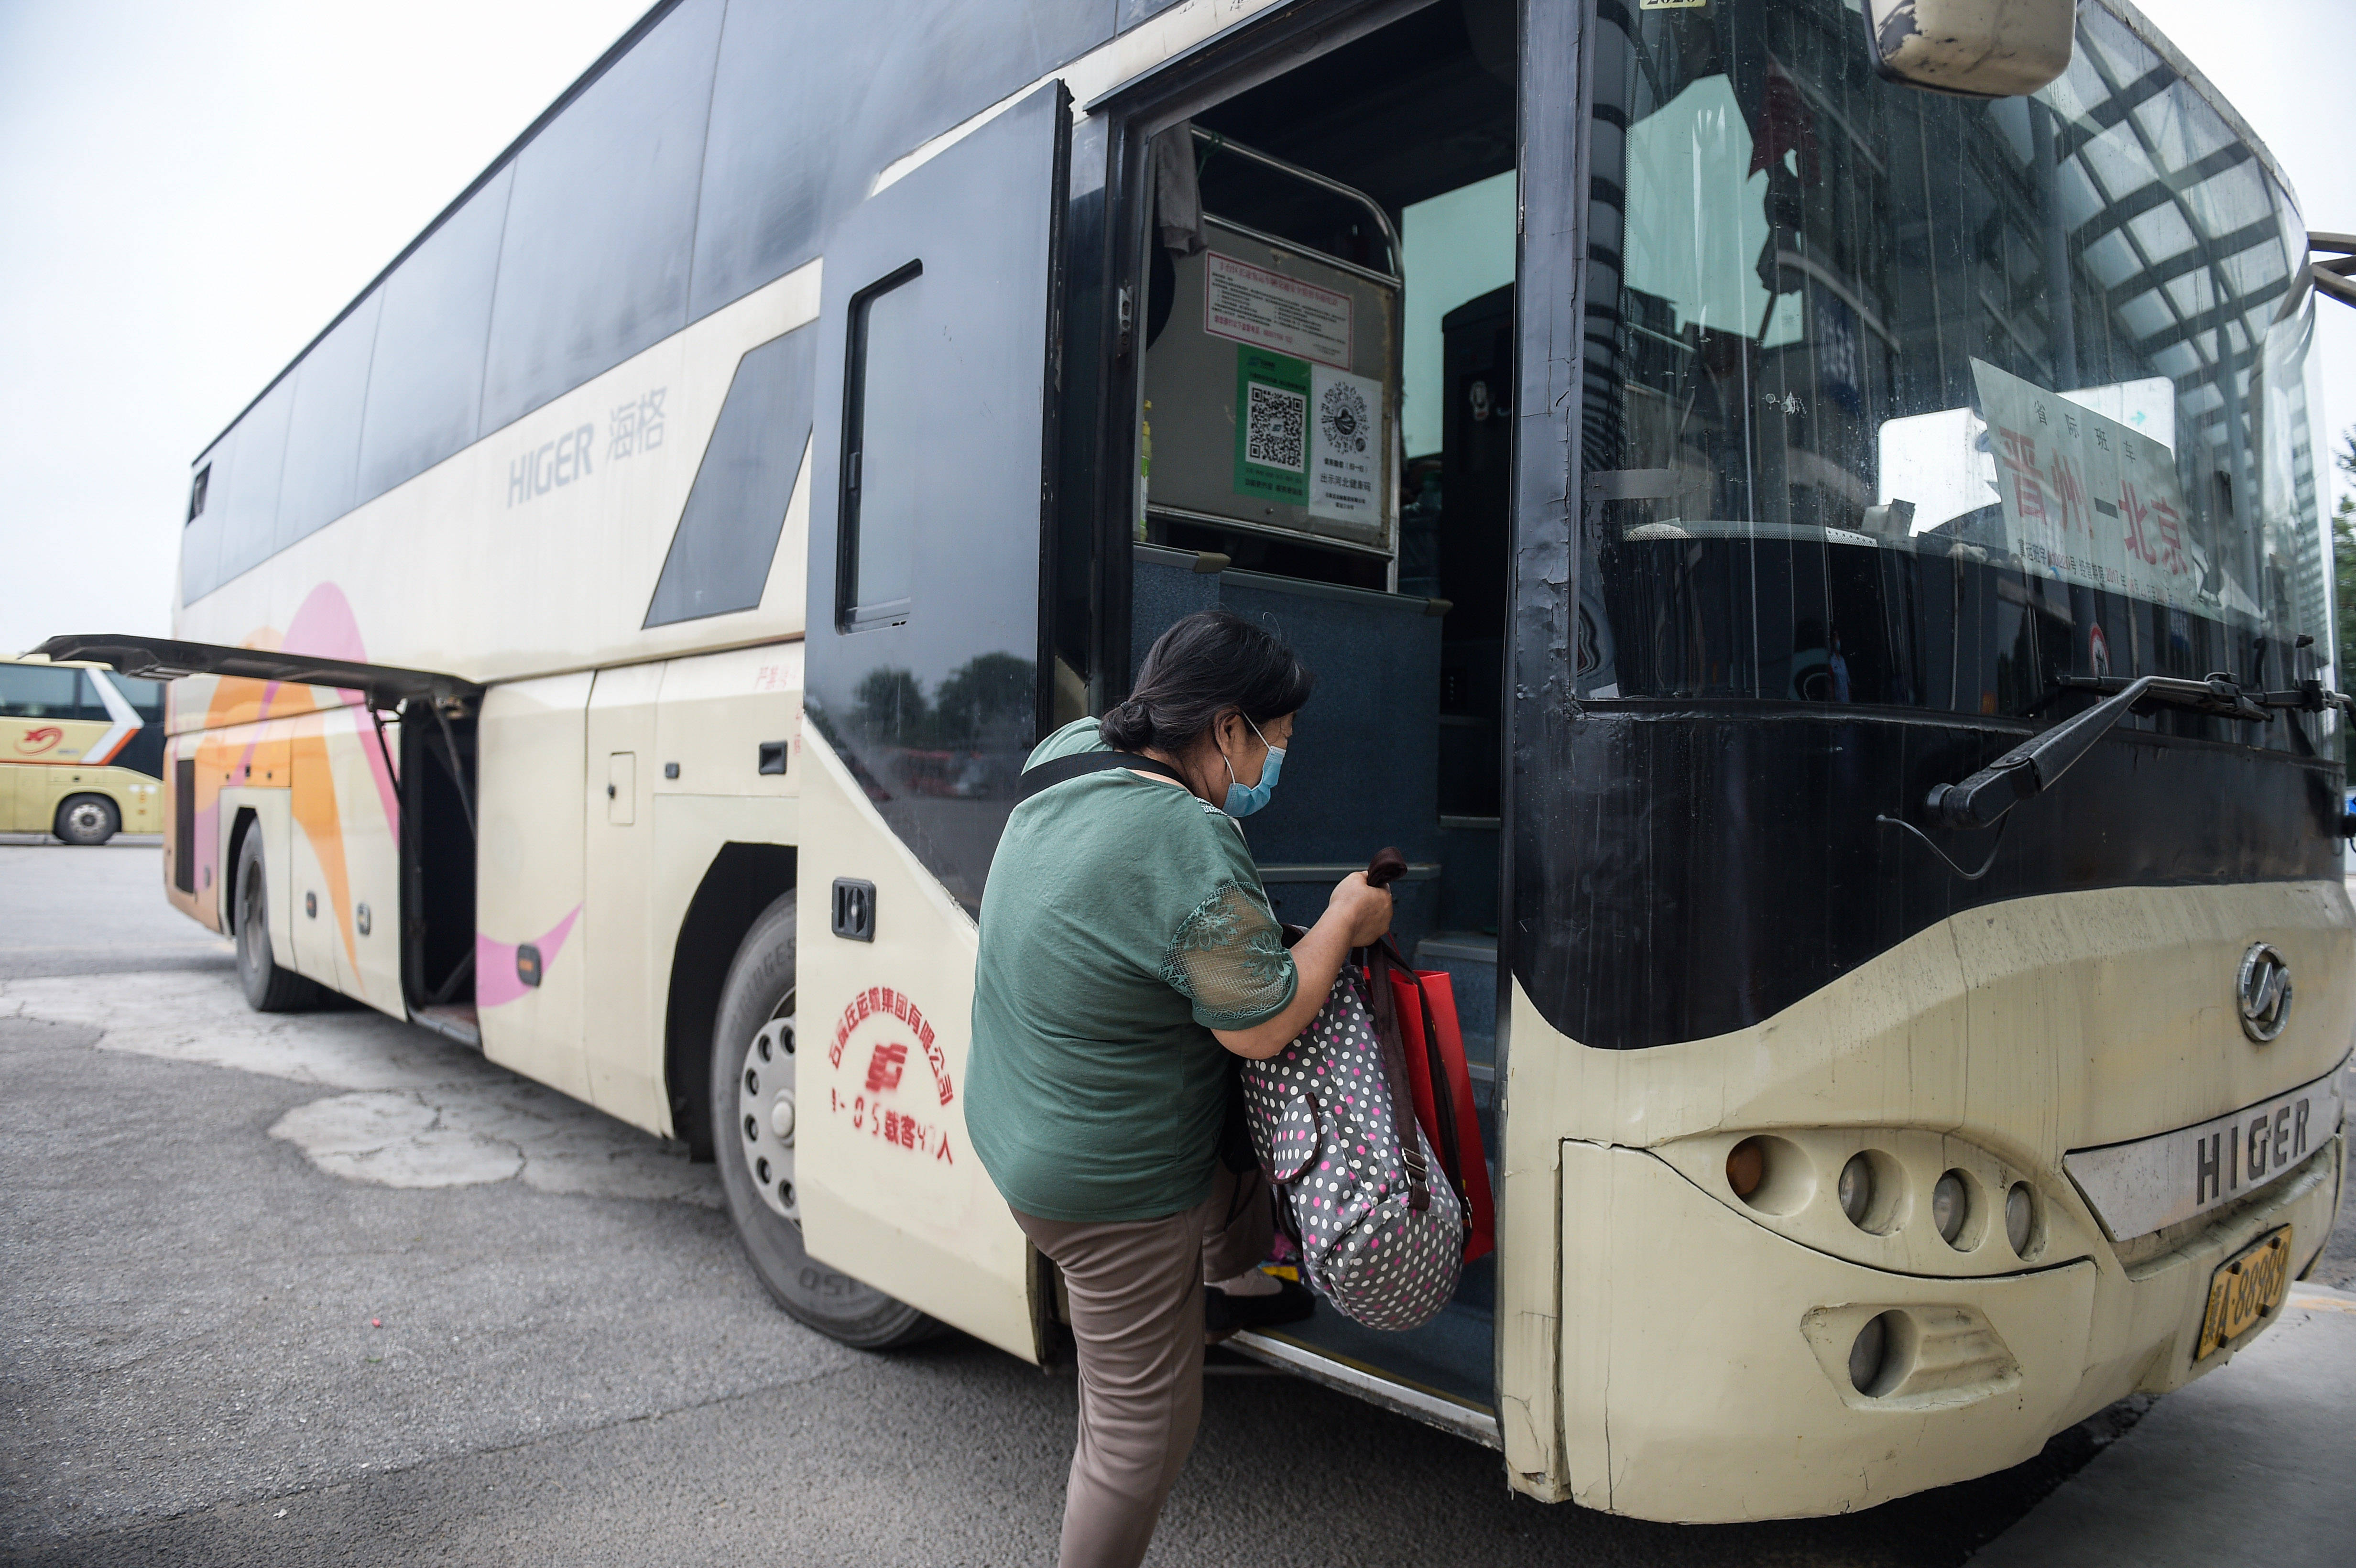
[(1973, 48)]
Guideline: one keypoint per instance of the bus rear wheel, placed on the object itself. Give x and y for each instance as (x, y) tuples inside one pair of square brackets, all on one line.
[(87, 819), (268, 988), (752, 1137)]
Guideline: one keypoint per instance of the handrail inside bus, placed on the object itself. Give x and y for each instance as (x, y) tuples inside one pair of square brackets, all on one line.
[(1218, 143)]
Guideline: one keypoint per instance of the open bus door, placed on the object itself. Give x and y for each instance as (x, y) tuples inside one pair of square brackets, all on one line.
[(930, 487), (416, 731)]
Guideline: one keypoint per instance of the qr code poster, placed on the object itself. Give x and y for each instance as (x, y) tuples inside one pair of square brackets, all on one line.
[(1345, 447), (1272, 426)]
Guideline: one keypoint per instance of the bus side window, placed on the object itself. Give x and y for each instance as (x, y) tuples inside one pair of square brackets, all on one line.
[(38, 691), (880, 473), (87, 703), (145, 697)]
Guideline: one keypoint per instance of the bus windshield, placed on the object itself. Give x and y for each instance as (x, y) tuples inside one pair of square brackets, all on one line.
[(1894, 399)]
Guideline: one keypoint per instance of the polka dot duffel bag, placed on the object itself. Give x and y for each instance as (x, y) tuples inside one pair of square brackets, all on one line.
[(1334, 1124)]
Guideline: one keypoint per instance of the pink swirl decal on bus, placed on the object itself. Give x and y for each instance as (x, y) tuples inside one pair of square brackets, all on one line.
[(500, 966)]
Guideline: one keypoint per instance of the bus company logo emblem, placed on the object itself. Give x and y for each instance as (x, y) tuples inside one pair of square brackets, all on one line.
[(34, 742), (884, 1002), (885, 1067), (2264, 992)]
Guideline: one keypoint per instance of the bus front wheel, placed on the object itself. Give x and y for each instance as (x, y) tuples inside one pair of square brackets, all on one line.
[(87, 819), (753, 1137), (268, 988)]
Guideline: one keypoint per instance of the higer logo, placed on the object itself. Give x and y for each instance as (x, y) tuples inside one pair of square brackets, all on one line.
[(32, 742)]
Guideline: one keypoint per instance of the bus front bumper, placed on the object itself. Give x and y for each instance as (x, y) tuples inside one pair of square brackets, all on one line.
[(1741, 1342)]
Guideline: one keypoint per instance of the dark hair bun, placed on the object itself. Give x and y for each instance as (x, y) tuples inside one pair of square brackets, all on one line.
[(1209, 663), (1127, 726)]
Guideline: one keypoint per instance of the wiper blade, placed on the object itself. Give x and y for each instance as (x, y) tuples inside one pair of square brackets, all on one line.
[(2037, 763)]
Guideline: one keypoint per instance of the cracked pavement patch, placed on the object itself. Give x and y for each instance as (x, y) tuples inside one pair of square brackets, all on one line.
[(423, 1111)]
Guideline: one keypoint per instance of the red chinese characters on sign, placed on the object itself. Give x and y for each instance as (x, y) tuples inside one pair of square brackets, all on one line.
[(893, 1128), (884, 1002), (2018, 452), (2084, 497), (2069, 494), (2171, 538), (2133, 512)]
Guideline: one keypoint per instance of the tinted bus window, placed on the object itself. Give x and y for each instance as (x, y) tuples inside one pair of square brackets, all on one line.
[(200, 540), (794, 79), (594, 263), (248, 503), (322, 436), (765, 199), (33, 691), (720, 557), (426, 379), (145, 697), (885, 444)]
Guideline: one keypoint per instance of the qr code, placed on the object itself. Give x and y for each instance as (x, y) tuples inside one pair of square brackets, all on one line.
[(1274, 421)]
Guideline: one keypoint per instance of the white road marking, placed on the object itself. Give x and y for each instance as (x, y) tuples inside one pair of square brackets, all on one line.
[(420, 1110)]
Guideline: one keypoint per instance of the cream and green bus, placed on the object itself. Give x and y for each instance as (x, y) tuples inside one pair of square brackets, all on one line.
[(80, 749), (1721, 483)]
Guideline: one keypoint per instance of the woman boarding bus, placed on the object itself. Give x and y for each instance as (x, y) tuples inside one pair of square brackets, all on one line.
[(1722, 483)]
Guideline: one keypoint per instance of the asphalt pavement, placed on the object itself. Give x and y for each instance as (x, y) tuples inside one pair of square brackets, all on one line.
[(324, 1288)]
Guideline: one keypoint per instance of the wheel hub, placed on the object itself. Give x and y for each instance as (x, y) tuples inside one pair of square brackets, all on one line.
[(765, 1113)]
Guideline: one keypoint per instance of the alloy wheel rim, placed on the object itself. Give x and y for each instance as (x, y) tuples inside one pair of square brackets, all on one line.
[(766, 1112), (86, 819)]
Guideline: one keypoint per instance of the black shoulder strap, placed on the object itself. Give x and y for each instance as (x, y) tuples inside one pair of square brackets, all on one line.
[(1056, 770)]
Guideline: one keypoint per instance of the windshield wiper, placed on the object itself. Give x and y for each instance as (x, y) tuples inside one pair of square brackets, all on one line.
[(2037, 763)]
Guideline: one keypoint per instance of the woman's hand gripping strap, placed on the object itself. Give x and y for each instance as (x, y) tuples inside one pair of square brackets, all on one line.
[(1385, 868)]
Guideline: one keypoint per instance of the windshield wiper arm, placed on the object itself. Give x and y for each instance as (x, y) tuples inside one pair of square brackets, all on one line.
[(2037, 763)]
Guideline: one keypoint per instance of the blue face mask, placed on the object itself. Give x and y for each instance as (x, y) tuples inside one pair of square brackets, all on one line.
[(1243, 799)]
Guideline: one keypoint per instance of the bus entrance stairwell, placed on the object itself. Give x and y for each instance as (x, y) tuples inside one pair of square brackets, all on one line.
[(1324, 407)]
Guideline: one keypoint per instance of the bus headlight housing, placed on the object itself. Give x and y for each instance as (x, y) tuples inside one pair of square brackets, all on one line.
[(1902, 1198)]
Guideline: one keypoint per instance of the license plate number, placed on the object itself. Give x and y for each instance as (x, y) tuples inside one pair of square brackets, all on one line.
[(2246, 1288)]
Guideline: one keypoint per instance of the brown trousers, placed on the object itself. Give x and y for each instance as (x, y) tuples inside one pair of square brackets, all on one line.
[(1135, 1289)]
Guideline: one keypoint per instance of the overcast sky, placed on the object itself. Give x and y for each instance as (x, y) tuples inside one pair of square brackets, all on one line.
[(189, 193)]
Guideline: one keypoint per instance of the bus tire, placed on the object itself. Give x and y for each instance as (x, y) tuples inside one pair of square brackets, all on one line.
[(87, 819), (268, 988), (752, 1077)]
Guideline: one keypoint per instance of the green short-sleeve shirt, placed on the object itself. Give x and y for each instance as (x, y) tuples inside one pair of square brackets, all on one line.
[(1123, 921)]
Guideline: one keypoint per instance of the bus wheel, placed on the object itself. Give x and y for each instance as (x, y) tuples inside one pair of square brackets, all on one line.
[(752, 1109), (87, 819), (268, 987)]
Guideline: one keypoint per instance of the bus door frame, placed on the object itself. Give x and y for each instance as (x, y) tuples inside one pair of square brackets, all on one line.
[(1552, 75), (1555, 83)]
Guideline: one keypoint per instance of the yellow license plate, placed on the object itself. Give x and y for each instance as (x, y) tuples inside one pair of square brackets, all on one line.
[(2246, 1288)]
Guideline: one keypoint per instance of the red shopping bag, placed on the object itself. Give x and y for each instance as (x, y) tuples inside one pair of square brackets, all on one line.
[(1442, 1084)]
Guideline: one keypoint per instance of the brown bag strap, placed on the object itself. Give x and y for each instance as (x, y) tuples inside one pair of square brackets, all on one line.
[(1385, 868), (1392, 1047)]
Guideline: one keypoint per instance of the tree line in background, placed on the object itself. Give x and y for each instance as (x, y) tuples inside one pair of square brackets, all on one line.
[(983, 703)]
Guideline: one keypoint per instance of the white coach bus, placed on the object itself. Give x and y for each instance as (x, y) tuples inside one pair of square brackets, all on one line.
[(1720, 484)]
